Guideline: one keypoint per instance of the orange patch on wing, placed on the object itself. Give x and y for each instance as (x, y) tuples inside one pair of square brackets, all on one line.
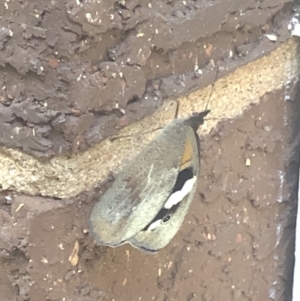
[(186, 160)]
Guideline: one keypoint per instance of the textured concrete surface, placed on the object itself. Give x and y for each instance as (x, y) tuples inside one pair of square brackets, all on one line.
[(66, 176)]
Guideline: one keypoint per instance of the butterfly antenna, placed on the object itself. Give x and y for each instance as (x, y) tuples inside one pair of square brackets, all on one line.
[(177, 109), (212, 89)]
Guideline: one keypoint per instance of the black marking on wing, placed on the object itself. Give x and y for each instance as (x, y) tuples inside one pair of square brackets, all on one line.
[(182, 177), (163, 214), (198, 145)]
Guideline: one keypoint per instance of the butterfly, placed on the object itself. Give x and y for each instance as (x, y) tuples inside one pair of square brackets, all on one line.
[(149, 199)]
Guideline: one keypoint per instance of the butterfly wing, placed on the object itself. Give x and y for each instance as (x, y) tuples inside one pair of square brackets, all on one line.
[(152, 240), (160, 231), (140, 190)]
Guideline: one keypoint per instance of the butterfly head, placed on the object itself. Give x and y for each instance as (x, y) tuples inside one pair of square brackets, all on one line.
[(197, 119)]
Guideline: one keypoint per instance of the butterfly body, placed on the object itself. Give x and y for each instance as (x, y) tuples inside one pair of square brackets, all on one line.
[(147, 203)]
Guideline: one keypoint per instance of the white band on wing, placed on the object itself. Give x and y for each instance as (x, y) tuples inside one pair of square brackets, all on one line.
[(154, 225), (178, 196)]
